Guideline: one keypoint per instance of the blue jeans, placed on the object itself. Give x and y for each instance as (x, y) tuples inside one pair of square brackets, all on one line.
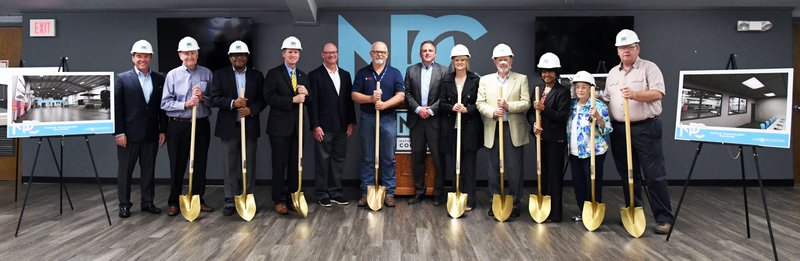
[(388, 129)]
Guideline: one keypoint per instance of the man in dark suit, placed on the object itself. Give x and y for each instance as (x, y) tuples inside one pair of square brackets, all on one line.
[(285, 91), (140, 126), (226, 87), (422, 97), (332, 118)]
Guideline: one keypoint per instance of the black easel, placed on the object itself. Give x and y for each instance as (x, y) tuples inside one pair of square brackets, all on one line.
[(60, 167), (16, 159), (732, 65)]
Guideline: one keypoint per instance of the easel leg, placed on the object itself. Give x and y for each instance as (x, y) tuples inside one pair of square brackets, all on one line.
[(16, 171), (764, 200), (28, 189), (685, 186), (59, 166), (97, 177), (744, 192)]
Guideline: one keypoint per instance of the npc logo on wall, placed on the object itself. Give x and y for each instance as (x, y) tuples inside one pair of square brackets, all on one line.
[(352, 43)]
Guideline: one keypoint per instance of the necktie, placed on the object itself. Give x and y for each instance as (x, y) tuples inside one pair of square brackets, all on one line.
[(294, 82)]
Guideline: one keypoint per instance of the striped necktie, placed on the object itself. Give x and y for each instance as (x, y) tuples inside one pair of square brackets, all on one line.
[(294, 82)]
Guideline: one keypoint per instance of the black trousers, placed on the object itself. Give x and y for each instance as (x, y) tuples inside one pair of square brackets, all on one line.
[(284, 167), (145, 153), (330, 155), (513, 166), (468, 173), (648, 159), (581, 179), (553, 156), (424, 136), (178, 145)]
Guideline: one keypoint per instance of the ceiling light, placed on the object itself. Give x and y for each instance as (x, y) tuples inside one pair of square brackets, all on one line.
[(753, 83), (771, 94), (64, 79), (82, 82)]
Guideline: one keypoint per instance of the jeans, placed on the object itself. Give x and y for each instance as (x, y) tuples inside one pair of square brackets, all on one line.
[(387, 148)]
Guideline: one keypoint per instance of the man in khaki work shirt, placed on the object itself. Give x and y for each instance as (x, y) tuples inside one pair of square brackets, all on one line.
[(642, 83)]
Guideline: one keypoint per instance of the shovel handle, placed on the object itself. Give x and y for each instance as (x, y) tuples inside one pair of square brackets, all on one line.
[(628, 149), (244, 148), (300, 147), (500, 139), (592, 148), (538, 145), (191, 149), (377, 136)]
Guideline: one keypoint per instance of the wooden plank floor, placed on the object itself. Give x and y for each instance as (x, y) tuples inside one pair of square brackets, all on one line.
[(711, 227)]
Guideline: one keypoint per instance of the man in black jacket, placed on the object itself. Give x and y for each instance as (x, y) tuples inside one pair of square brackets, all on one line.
[(140, 127), (285, 91), (227, 86), (332, 118)]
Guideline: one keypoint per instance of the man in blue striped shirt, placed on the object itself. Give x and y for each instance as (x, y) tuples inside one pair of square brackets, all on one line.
[(185, 88)]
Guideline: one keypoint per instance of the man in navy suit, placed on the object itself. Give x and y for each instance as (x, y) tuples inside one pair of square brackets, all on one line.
[(226, 86), (140, 127), (422, 97), (285, 91), (332, 118)]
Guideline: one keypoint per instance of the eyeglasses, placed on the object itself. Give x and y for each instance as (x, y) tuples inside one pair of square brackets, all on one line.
[(627, 47), (329, 53), (379, 52)]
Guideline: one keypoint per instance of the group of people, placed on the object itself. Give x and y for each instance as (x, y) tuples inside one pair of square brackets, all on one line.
[(152, 110)]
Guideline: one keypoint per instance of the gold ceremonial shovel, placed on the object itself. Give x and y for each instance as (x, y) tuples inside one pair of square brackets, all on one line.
[(632, 217), (376, 194), (538, 205), (457, 201), (190, 204), (245, 203), (502, 204), (298, 199), (593, 212)]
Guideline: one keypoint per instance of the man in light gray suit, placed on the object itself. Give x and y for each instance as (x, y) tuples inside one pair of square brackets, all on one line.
[(422, 97)]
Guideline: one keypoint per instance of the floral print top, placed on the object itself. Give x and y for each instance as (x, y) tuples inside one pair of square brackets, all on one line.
[(578, 129)]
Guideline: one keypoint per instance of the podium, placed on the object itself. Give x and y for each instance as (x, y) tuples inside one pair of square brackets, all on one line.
[(405, 177)]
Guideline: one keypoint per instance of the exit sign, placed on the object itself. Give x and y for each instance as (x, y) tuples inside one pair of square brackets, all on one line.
[(43, 27)]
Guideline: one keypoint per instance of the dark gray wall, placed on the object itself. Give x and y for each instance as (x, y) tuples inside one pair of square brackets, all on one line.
[(674, 39)]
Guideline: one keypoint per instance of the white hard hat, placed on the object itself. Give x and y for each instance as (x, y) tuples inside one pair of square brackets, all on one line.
[(626, 37), (291, 42), (549, 61), (501, 50), (238, 47), (583, 76), (188, 44), (459, 50), (142, 46)]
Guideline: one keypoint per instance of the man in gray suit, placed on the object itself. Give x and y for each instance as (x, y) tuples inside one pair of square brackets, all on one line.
[(422, 96)]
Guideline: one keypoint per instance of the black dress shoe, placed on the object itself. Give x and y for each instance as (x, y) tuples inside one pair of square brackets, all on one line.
[(124, 211), (152, 209), (491, 213), (416, 199), (515, 213), (438, 200), (228, 211)]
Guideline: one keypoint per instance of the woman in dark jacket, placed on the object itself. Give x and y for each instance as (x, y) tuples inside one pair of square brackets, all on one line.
[(554, 108), (463, 82)]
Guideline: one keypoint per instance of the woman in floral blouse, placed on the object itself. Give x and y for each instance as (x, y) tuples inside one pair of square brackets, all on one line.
[(578, 132)]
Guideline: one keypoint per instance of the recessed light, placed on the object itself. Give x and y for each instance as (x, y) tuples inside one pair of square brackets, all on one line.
[(753, 83), (771, 94), (64, 79)]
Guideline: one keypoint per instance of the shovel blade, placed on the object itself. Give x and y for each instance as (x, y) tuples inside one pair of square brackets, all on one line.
[(502, 205), (593, 215), (539, 209), (633, 220), (456, 203), (375, 197), (245, 206), (190, 206), (300, 204)]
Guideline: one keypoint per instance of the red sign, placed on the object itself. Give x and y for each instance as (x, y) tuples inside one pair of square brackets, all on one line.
[(43, 27)]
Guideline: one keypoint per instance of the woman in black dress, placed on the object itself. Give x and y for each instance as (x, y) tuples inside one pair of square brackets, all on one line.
[(554, 107), (460, 81)]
